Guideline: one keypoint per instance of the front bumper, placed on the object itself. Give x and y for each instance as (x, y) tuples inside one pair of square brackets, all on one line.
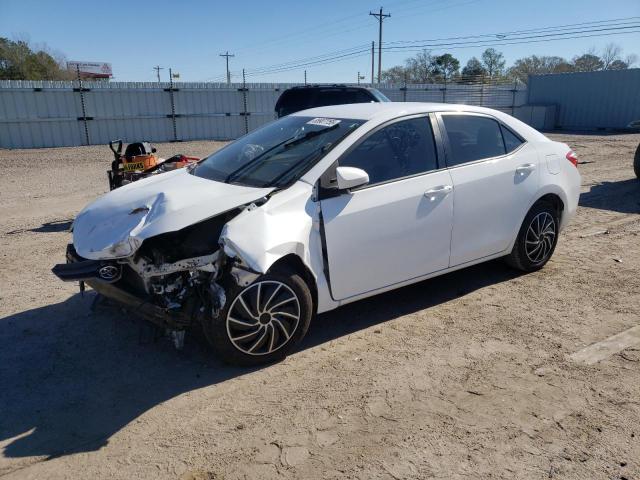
[(78, 269)]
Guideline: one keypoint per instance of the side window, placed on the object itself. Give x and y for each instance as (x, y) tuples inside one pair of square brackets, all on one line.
[(472, 138), (398, 150), (293, 101), (331, 97), (511, 141), (360, 96)]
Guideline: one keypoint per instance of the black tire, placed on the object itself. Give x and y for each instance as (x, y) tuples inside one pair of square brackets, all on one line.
[(636, 162), (279, 328), (524, 255)]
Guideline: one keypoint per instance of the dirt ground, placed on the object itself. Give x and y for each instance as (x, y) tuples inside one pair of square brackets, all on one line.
[(462, 376)]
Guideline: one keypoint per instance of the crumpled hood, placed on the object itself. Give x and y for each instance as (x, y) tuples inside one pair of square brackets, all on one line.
[(116, 224)]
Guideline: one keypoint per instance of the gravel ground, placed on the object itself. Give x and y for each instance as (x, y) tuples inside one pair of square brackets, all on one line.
[(462, 376)]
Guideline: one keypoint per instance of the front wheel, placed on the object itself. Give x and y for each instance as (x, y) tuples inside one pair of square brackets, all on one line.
[(636, 162), (262, 322), (537, 238)]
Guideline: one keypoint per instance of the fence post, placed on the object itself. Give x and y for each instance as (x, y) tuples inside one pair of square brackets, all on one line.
[(444, 92), (482, 90), (84, 109), (513, 98), (244, 103), (173, 107), (404, 88)]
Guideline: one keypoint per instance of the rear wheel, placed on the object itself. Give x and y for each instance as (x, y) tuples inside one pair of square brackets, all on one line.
[(636, 162), (262, 322), (537, 238)]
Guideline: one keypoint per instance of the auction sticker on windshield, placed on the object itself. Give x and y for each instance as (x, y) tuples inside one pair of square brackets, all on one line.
[(324, 122)]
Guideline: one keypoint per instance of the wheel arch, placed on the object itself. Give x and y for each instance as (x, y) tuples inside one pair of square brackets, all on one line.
[(554, 199), (555, 195), (293, 262), (551, 194)]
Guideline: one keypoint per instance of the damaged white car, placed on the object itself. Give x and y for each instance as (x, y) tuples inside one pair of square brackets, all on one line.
[(322, 208)]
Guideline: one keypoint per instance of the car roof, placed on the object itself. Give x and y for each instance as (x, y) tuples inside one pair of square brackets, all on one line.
[(328, 85), (380, 112), (369, 111)]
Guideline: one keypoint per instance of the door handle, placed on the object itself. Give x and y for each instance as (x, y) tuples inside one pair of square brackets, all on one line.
[(439, 191), (526, 168)]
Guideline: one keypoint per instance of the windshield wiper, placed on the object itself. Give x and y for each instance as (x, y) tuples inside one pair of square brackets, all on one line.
[(289, 142), (309, 158), (309, 135)]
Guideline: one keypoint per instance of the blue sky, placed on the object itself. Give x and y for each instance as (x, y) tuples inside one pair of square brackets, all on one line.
[(188, 36)]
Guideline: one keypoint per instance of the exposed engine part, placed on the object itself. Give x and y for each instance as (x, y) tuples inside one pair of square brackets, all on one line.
[(218, 298), (193, 241), (177, 337), (243, 276), (206, 263)]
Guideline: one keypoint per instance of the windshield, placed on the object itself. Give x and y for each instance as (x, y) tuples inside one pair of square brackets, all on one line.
[(276, 154)]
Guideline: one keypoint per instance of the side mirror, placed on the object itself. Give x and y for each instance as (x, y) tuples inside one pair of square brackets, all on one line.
[(351, 177)]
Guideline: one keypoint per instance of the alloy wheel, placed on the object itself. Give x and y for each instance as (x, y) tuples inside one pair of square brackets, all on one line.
[(540, 237), (263, 317)]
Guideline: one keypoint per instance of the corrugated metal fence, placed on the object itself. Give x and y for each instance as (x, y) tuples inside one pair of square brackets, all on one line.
[(592, 100), (52, 114)]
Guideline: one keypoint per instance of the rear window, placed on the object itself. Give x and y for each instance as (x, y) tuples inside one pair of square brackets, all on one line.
[(472, 138), (294, 100), (511, 140), (341, 97)]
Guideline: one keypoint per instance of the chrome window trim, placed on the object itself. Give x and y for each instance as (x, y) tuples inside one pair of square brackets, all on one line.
[(441, 165), (447, 146)]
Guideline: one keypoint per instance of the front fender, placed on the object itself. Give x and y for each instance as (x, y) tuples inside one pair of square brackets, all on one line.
[(262, 235)]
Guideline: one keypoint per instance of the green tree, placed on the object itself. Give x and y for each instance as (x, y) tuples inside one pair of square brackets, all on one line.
[(534, 65), (420, 69), (395, 74), (493, 62), (19, 62), (473, 70), (588, 62), (417, 69), (446, 66)]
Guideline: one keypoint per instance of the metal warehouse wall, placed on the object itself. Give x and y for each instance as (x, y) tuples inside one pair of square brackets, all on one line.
[(53, 114), (592, 100)]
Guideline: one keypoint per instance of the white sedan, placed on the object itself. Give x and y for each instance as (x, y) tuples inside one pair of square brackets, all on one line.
[(319, 209)]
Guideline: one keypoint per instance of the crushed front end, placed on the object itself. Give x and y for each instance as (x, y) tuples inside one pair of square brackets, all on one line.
[(176, 280)]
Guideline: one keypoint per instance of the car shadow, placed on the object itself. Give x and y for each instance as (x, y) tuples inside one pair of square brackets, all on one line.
[(70, 379), (621, 196), (47, 227)]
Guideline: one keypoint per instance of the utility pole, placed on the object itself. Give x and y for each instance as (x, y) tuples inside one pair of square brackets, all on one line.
[(373, 57), (157, 68), (360, 77), (305, 77), (380, 16), (227, 55)]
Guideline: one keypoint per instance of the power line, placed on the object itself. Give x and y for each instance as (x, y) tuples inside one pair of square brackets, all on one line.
[(480, 43), (329, 25), (227, 55), (311, 60), (157, 68), (380, 16), (597, 29), (355, 54), (616, 21), (308, 59), (539, 41)]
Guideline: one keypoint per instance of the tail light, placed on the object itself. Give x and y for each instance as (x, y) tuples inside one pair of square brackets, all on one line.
[(572, 157)]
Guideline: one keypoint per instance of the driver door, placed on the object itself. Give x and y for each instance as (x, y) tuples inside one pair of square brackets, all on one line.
[(397, 227)]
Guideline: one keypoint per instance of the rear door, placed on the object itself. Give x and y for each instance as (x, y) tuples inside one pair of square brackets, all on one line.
[(495, 177), (398, 227)]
